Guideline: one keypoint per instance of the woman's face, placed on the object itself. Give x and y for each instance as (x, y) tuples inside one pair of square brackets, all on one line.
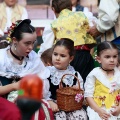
[(25, 46), (61, 58), (10, 3)]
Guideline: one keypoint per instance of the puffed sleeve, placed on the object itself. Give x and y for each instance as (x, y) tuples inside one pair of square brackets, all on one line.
[(46, 92), (107, 17), (90, 16), (90, 84)]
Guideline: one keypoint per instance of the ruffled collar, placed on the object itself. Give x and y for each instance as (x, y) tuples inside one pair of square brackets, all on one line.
[(56, 75)]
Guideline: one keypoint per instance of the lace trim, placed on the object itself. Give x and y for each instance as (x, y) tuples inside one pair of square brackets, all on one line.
[(56, 75)]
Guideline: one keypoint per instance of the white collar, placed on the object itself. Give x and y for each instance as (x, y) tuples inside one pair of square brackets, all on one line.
[(56, 75)]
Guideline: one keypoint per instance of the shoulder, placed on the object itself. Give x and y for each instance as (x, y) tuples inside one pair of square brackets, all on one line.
[(95, 71)]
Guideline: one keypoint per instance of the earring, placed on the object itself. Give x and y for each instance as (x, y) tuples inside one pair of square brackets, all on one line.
[(15, 46)]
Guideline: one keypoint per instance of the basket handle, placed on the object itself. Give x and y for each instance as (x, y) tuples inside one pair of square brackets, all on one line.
[(60, 85)]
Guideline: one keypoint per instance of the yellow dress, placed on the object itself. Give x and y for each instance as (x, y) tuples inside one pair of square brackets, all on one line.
[(72, 25), (98, 87)]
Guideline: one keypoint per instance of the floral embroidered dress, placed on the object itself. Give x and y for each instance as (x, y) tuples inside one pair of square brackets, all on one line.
[(103, 90), (72, 25), (53, 84)]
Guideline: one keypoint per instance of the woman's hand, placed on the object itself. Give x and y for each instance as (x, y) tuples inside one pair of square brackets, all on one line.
[(116, 110), (53, 106), (103, 114)]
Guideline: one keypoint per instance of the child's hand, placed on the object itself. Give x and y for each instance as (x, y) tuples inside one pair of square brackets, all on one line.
[(103, 114), (53, 106), (116, 111)]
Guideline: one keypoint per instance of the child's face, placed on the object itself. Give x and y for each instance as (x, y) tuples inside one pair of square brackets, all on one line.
[(61, 58), (108, 58)]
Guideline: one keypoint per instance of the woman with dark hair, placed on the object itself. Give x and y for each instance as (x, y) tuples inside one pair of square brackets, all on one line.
[(16, 61)]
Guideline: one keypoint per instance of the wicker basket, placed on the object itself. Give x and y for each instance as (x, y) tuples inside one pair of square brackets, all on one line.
[(66, 97)]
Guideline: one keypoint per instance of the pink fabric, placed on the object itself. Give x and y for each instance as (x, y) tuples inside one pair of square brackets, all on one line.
[(41, 115), (8, 110)]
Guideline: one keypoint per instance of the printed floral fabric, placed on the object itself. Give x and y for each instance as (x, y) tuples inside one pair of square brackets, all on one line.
[(75, 115), (72, 25)]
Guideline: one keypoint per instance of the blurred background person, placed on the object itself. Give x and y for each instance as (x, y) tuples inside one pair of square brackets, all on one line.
[(11, 12)]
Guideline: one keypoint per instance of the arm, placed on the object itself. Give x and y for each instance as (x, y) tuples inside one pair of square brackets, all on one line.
[(92, 19), (8, 88), (48, 39), (106, 20), (102, 113), (47, 94), (89, 91)]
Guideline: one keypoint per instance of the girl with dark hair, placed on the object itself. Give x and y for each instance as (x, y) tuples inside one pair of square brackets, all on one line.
[(46, 57), (72, 25), (102, 85), (63, 54), (17, 60)]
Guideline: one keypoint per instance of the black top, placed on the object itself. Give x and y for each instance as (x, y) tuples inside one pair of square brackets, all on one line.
[(53, 88)]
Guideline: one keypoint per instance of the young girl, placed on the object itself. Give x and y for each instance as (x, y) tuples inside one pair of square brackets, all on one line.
[(72, 25), (100, 82), (46, 57), (63, 53)]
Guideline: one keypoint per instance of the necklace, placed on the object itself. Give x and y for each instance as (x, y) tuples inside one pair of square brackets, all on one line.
[(15, 56), (107, 70)]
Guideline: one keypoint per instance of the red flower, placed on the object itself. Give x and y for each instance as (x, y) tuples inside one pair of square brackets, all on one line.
[(118, 97)]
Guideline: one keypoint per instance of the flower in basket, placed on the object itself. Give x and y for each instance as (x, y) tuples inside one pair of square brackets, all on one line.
[(78, 97), (118, 97)]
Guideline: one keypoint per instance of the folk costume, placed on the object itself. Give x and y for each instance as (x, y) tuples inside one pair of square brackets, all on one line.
[(12, 72), (74, 25), (9, 15), (99, 86), (53, 84)]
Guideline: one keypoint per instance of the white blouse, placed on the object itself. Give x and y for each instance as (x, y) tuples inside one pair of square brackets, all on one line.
[(31, 65), (56, 75), (97, 73)]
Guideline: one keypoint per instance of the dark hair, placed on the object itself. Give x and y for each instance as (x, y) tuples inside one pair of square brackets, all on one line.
[(22, 26), (104, 46), (46, 56), (59, 5), (67, 43)]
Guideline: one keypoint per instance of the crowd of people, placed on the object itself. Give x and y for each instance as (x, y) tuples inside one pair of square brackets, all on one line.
[(66, 49)]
